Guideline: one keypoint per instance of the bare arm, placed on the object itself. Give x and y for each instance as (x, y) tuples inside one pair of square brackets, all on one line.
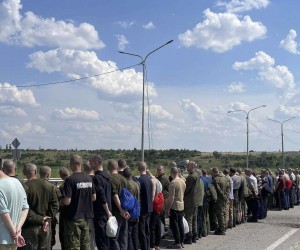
[(117, 202), (105, 207), (9, 224), (169, 204), (65, 201), (153, 188), (22, 219), (93, 197)]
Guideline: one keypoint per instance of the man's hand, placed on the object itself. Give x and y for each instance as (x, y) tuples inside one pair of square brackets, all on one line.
[(125, 214), (46, 223), (20, 240)]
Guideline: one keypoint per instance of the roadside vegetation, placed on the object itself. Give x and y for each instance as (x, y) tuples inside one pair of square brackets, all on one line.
[(60, 158)]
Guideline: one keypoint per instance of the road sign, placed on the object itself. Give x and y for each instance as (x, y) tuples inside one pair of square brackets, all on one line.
[(16, 143), (16, 153)]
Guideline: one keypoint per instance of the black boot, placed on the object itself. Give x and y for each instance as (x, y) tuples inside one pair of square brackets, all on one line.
[(188, 239), (195, 238)]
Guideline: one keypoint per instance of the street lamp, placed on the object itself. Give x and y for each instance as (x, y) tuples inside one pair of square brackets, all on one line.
[(247, 119), (282, 148), (143, 62)]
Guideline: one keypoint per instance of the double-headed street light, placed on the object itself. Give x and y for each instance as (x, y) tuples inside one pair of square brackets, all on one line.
[(143, 63), (282, 147), (247, 119)]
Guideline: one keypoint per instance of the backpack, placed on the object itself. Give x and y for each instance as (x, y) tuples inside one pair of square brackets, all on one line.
[(136, 210), (158, 202), (289, 184), (126, 199)]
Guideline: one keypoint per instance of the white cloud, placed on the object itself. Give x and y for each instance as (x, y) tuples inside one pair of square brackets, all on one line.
[(159, 113), (12, 111), (31, 30), (238, 106), (289, 43), (76, 114), (126, 24), (188, 105), (28, 129), (76, 63), (122, 42), (237, 6), (220, 32), (5, 135), (287, 110), (10, 94), (236, 88), (149, 26), (276, 76)]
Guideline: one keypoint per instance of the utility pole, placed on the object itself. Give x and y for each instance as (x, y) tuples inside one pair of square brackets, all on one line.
[(143, 63), (247, 121)]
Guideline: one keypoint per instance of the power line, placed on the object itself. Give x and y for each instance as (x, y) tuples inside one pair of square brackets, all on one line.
[(291, 140), (262, 131), (71, 80)]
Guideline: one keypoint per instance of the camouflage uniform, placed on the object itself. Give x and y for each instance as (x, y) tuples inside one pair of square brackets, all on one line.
[(222, 187), (191, 201)]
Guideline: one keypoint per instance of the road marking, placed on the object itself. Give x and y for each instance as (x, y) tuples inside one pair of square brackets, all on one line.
[(282, 239)]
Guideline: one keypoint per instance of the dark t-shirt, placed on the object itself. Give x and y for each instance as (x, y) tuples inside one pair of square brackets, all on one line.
[(79, 187), (103, 188), (146, 194)]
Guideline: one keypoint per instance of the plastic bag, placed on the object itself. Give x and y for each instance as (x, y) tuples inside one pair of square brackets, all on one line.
[(185, 225), (112, 227)]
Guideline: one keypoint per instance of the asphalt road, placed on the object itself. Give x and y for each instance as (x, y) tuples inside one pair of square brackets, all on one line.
[(280, 230)]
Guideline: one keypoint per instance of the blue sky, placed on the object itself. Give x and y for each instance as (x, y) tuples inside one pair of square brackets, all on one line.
[(226, 55)]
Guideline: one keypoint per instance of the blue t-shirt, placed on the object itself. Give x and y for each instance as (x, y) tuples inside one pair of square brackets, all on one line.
[(13, 200)]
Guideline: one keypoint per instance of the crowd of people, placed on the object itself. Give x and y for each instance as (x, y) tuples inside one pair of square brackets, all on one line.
[(196, 204)]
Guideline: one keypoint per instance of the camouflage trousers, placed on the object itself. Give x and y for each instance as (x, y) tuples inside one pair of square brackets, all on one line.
[(220, 211), (190, 214), (77, 234), (36, 238)]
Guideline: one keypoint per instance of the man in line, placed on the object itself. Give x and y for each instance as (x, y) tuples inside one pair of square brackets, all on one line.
[(43, 203), (236, 179), (206, 200), (252, 201), (200, 215), (175, 208), (79, 194), (64, 173), (146, 196), (13, 213), (45, 174), (102, 205), (192, 196), (220, 183), (9, 168), (118, 182), (161, 176), (122, 165), (87, 169), (133, 223)]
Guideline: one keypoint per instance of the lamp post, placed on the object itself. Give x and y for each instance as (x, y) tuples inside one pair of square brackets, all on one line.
[(143, 63), (247, 120), (282, 147)]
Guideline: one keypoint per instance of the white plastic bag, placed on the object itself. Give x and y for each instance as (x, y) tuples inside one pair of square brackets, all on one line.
[(185, 225), (111, 227)]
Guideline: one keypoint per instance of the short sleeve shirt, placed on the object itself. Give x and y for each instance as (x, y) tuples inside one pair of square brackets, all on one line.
[(12, 203), (177, 188), (79, 187)]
